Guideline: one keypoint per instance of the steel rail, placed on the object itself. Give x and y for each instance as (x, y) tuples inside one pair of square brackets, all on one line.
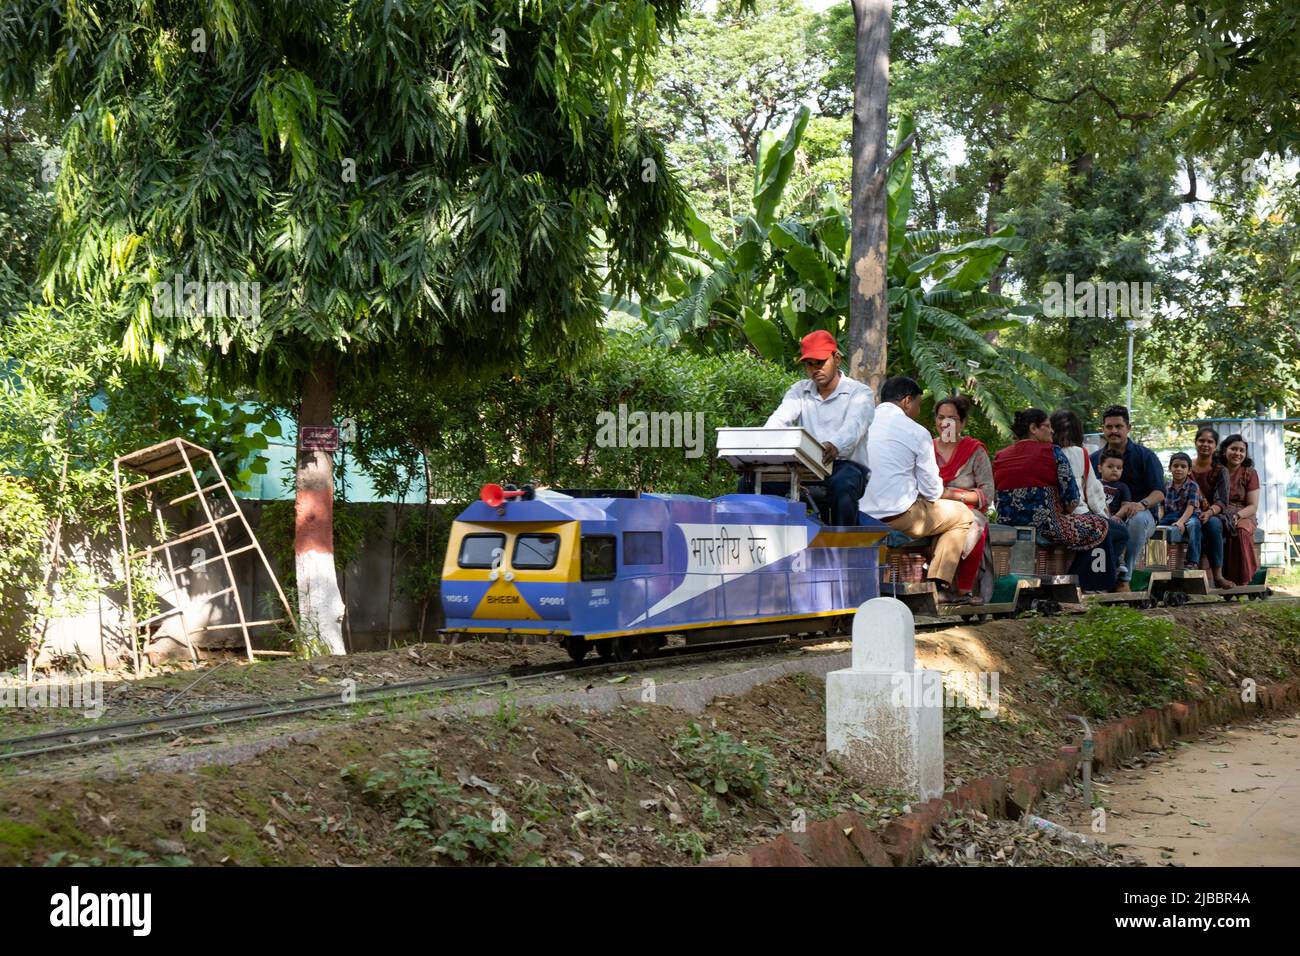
[(99, 735)]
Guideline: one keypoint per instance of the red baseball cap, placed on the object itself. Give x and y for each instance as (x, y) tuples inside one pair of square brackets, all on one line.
[(818, 345)]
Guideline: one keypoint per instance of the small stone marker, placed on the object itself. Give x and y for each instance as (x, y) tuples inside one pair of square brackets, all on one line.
[(884, 718)]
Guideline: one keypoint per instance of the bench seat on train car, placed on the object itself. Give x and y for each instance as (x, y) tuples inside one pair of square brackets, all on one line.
[(1002, 535)]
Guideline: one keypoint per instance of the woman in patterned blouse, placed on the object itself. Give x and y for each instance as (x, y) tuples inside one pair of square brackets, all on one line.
[(1036, 486), (1239, 518)]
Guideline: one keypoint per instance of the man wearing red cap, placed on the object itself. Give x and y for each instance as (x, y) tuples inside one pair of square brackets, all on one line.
[(835, 410)]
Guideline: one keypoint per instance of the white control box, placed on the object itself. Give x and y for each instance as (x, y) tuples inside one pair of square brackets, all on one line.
[(772, 448)]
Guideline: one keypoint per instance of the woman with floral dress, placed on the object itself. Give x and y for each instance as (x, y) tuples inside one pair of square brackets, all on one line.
[(1036, 486)]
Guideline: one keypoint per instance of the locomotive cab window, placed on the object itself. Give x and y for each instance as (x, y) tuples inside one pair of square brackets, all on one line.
[(476, 550), (536, 552), (599, 561), (643, 547)]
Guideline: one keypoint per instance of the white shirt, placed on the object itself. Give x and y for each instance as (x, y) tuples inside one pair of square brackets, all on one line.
[(903, 467), (1094, 495), (841, 418)]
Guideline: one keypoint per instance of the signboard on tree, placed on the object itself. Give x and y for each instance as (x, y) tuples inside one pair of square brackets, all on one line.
[(318, 438)]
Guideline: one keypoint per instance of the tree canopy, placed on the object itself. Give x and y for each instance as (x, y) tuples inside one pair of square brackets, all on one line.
[(439, 184)]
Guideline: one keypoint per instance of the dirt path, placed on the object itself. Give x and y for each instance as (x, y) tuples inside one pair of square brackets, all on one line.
[(1231, 798)]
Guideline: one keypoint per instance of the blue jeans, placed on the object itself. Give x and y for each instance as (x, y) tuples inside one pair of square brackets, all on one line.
[(1193, 536), (1118, 534), (1141, 527), (845, 485), (1213, 531)]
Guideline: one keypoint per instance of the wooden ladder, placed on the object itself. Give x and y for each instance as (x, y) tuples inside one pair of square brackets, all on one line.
[(164, 462)]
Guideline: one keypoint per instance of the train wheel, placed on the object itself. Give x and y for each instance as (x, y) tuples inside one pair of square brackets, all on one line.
[(1175, 598), (623, 649), (651, 644), (605, 649), (1045, 607), (577, 648)]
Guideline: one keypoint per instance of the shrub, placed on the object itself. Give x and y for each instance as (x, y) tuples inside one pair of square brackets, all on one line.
[(436, 811), (716, 759), (1146, 657)]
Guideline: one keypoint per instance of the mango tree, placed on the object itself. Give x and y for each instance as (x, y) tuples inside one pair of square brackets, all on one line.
[(327, 192)]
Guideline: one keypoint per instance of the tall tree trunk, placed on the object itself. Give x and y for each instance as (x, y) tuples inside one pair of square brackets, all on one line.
[(50, 561), (923, 166), (868, 308), (424, 555), (997, 183), (320, 603), (402, 488)]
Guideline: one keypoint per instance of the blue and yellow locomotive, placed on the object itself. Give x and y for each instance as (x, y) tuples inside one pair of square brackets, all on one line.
[(621, 571)]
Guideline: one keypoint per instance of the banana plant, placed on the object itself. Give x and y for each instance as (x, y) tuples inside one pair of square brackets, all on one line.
[(726, 293), (778, 279)]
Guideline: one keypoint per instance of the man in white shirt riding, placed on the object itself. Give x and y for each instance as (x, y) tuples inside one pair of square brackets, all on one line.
[(905, 491), (837, 411)]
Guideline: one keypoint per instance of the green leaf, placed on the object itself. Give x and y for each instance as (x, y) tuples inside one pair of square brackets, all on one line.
[(976, 260), (703, 235), (1046, 369), (747, 255), (911, 316), (763, 334), (775, 163), (802, 257), (898, 199)]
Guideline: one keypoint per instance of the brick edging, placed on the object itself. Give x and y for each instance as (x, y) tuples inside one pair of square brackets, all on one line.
[(847, 840)]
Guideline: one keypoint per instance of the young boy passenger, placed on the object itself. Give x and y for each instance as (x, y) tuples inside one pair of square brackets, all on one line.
[(1181, 504), (1110, 467)]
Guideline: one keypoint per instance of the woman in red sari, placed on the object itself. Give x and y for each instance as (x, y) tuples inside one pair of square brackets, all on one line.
[(1036, 486), (1239, 564), (967, 476)]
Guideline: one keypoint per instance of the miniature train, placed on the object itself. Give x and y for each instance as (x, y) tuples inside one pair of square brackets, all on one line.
[(621, 571)]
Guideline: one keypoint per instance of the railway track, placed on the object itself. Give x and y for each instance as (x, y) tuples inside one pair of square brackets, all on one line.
[(77, 739)]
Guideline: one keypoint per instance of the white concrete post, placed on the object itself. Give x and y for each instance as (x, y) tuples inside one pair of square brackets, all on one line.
[(884, 718)]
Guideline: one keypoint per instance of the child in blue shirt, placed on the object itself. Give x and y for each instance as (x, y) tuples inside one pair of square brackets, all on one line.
[(1181, 505)]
